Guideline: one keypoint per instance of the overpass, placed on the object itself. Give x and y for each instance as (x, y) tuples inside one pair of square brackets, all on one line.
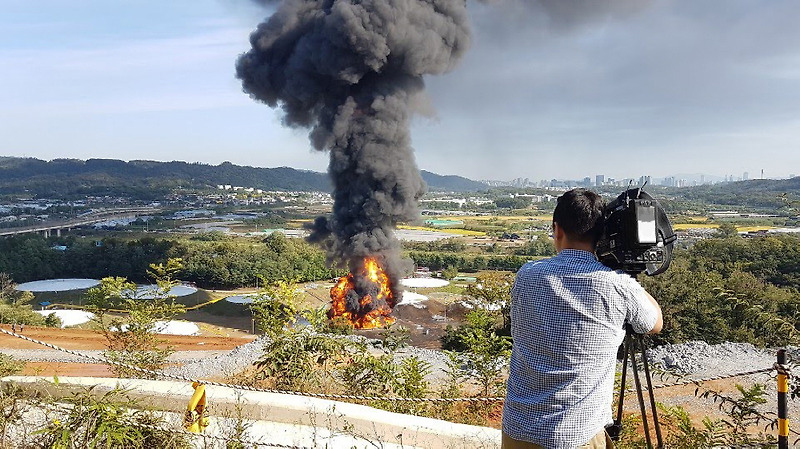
[(96, 216)]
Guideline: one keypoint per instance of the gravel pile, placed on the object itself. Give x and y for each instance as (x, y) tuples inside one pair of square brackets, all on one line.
[(698, 358), (55, 356), (226, 364), (692, 359)]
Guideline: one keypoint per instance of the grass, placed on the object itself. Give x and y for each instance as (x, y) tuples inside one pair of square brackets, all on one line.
[(453, 288)]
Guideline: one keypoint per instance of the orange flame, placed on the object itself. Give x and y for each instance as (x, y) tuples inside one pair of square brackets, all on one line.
[(372, 312)]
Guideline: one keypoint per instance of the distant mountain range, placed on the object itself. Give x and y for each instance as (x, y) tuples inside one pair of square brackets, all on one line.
[(69, 178)]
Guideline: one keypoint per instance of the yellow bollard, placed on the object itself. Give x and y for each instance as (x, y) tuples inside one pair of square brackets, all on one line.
[(196, 420)]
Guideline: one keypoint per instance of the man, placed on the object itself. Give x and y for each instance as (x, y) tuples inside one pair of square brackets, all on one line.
[(567, 320)]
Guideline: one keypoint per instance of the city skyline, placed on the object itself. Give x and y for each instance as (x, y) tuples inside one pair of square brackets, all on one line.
[(545, 90)]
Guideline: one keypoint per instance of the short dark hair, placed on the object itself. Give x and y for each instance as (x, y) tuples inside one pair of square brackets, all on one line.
[(579, 212)]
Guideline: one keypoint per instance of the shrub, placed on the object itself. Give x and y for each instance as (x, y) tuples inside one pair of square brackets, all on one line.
[(112, 421), (9, 365), (20, 314)]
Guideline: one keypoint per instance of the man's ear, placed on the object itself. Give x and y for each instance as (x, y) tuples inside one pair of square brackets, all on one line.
[(558, 232)]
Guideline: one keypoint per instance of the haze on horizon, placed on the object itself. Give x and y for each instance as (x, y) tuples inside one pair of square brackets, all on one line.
[(620, 87)]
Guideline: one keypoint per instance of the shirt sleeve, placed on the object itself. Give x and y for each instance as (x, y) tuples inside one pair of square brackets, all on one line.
[(642, 315)]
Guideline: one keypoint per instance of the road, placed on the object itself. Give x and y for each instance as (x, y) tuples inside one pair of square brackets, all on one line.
[(88, 219)]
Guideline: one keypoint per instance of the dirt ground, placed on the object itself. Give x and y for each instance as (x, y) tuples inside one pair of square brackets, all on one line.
[(88, 339), (212, 338)]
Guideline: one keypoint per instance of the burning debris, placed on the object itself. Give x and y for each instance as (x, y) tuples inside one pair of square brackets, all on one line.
[(352, 72)]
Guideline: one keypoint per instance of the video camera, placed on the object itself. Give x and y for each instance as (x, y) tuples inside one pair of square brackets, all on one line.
[(637, 236)]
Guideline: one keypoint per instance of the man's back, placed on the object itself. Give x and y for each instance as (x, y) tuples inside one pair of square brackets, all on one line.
[(567, 322)]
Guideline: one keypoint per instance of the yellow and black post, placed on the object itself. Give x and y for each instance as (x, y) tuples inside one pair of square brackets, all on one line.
[(783, 389)]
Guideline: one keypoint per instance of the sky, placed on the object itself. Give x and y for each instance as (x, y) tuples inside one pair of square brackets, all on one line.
[(549, 88)]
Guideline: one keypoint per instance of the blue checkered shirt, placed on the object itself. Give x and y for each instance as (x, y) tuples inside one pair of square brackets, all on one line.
[(567, 319)]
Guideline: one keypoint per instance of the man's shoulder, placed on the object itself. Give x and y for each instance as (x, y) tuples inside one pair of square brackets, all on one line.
[(535, 266)]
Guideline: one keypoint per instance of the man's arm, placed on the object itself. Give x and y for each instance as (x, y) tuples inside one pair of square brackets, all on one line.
[(660, 321), (644, 313)]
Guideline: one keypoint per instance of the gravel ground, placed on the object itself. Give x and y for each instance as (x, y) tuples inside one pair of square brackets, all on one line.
[(693, 359), (52, 355), (699, 359), (224, 364)]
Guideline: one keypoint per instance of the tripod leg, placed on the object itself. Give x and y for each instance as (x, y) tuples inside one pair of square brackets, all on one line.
[(641, 398), (649, 379), (615, 429)]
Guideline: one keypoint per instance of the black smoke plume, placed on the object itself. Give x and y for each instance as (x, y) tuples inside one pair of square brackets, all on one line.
[(352, 71)]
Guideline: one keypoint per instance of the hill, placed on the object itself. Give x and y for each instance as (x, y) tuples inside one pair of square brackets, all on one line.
[(759, 193), (451, 183), (74, 178)]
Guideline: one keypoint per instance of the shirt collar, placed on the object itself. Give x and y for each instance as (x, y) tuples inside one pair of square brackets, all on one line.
[(578, 254)]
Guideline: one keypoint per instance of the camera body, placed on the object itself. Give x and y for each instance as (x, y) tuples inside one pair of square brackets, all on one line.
[(637, 236)]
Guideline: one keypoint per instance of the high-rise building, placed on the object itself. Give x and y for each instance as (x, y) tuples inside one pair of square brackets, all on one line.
[(745, 176), (599, 180)]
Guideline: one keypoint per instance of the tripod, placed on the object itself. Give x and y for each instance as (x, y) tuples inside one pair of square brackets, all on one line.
[(635, 342)]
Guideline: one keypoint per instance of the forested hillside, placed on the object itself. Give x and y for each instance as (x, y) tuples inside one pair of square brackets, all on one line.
[(150, 180), (65, 178), (763, 193)]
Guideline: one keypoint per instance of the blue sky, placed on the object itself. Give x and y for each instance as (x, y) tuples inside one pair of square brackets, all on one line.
[(625, 89)]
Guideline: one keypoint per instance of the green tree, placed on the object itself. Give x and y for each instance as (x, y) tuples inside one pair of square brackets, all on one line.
[(14, 304), (9, 293), (450, 272), (276, 307), (487, 353), (726, 230), (129, 322), (494, 290)]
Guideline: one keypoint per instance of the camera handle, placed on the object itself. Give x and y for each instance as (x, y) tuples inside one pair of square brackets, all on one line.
[(635, 342)]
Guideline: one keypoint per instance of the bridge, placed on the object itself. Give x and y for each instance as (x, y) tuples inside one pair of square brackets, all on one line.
[(96, 216)]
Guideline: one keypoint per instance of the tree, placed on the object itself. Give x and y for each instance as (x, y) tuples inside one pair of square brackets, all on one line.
[(493, 290), (9, 293), (512, 203), (14, 307), (276, 307), (726, 230), (129, 322), (449, 272)]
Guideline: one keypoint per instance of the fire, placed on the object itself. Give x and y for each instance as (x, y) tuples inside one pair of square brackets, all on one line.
[(364, 299)]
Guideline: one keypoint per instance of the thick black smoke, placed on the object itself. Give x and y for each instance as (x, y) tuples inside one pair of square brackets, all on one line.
[(351, 71)]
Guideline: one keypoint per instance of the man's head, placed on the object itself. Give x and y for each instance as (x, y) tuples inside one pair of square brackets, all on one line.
[(578, 219)]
